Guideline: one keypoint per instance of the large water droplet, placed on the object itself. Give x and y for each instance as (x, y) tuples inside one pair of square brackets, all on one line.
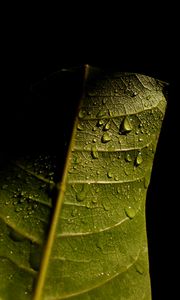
[(82, 194), (106, 138), (94, 152), (126, 125), (139, 159), (130, 212)]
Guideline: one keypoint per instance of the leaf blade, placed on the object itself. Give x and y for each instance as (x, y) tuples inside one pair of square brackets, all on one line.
[(89, 236)]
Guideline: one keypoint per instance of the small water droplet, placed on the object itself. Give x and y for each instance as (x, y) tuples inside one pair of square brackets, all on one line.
[(126, 125), (82, 194), (81, 113), (140, 140), (128, 157), (139, 159), (109, 174), (139, 268), (80, 127), (94, 152), (116, 178), (118, 190), (130, 212), (106, 138), (100, 123), (110, 112), (106, 206), (107, 126)]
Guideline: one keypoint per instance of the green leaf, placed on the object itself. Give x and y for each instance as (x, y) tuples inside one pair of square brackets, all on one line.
[(90, 242)]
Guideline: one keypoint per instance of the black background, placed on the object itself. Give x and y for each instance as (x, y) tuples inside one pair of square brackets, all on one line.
[(30, 55)]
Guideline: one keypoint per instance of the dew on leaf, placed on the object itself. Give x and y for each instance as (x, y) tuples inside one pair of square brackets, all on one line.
[(107, 126), (130, 212), (100, 123), (81, 114), (139, 159), (106, 138), (94, 152), (80, 127), (139, 268), (126, 125), (128, 157), (80, 196), (109, 174)]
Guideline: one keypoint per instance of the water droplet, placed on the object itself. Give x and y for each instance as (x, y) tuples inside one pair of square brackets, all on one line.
[(107, 126), (116, 178), (139, 268), (100, 123), (128, 157), (139, 159), (106, 206), (94, 152), (118, 190), (82, 194), (109, 174), (80, 127), (110, 112), (130, 212), (105, 138), (81, 113), (140, 140), (126, 125), (4, 187)]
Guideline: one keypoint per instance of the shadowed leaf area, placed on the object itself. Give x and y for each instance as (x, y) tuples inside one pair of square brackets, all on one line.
[(74, 173)]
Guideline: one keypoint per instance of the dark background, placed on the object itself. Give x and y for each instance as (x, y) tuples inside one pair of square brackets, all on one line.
[(30, 56)]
